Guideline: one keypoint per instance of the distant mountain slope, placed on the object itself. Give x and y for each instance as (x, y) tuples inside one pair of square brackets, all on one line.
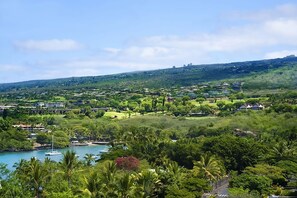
[(256, 73), (284, 77)]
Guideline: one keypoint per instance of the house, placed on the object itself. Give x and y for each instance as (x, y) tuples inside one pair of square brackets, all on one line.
[(198, 114), (30, 128), (251, 107), (54, 105), (236, 86), (170, 99), (39, 104), (2, 108), (257, 107), (245, 107), (100, 109)]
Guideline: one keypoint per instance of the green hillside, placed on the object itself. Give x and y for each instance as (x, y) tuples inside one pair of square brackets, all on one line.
[(270, 74)]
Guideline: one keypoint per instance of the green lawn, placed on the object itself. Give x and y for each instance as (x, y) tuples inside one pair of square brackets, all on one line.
[(119, 115)]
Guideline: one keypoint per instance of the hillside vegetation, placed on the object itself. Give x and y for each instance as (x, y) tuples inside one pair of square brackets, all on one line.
[(269, 74)]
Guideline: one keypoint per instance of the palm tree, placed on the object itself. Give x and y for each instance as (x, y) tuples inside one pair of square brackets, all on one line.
[(89, 159), (69, 163), (37, 175), (109, 179), (125, 186), (22, 172), (208, 167), (282, 151), (93, 185), (174, 169), (31, 174), (148, 184)]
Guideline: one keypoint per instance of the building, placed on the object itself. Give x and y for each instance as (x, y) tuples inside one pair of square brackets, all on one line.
[(30, 128)]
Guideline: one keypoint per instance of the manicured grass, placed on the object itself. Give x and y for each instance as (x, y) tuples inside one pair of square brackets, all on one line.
[(46, 116), (59, 98), (201, 118), (119, 115)]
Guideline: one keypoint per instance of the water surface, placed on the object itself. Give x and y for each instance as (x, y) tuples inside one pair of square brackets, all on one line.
[(10, 158)]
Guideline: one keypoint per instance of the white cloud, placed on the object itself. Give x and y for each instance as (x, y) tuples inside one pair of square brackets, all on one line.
[(48, 45), (280, 54), (266, 34), (257, 38)]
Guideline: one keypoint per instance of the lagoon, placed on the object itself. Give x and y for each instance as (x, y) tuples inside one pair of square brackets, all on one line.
[(10, 158)]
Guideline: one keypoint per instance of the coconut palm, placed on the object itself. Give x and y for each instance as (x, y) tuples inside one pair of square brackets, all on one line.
[(125, 186), (68, 164), (37, 175), (93, 185), (148, 184), (109, 180), (208, 167), (283, 151), (89, 159)]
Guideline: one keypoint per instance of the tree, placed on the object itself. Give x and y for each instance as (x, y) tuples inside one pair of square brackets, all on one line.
[(208, 167), (69, 164), (109, 180), (93, 185), (125, 186), (185, 99), (4, 124), (31, 174), (220, 104), (148, 184), (236, 153), (274, 173), (89, 159), (37, 175), (259, 183), (42, 138), (3, 171), (100, 113), (127, 163), (282, 151), (200, 100)]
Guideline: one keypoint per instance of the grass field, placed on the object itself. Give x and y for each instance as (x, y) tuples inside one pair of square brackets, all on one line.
[(119, 115)]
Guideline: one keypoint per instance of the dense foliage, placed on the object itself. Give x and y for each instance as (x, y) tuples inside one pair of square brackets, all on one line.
[(166, 140)]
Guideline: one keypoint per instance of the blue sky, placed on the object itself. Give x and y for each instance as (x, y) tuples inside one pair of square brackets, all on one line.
[(46, 39)]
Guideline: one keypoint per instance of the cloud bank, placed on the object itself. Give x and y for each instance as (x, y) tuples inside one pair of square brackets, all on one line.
[(270, 33)]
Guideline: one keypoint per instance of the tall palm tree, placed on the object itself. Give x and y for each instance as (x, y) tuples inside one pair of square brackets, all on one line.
[(208, 167), (68, 164), (125, 186), (37, 175), (109, 180), (31, 174), (148, 184), (282, 151), (93, 185), (89, 159)]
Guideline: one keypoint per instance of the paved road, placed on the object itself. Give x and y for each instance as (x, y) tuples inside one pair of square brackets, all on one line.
[(220, 189)]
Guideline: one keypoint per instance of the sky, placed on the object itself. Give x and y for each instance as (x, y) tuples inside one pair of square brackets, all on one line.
[(48, 39)]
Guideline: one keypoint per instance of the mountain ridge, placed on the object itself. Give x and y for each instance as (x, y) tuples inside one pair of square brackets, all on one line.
[(175, 76)]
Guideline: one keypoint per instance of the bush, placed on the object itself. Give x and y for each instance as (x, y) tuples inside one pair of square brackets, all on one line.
[(127, 163)]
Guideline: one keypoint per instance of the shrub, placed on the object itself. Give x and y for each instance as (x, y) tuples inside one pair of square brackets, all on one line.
[(127, 163)]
